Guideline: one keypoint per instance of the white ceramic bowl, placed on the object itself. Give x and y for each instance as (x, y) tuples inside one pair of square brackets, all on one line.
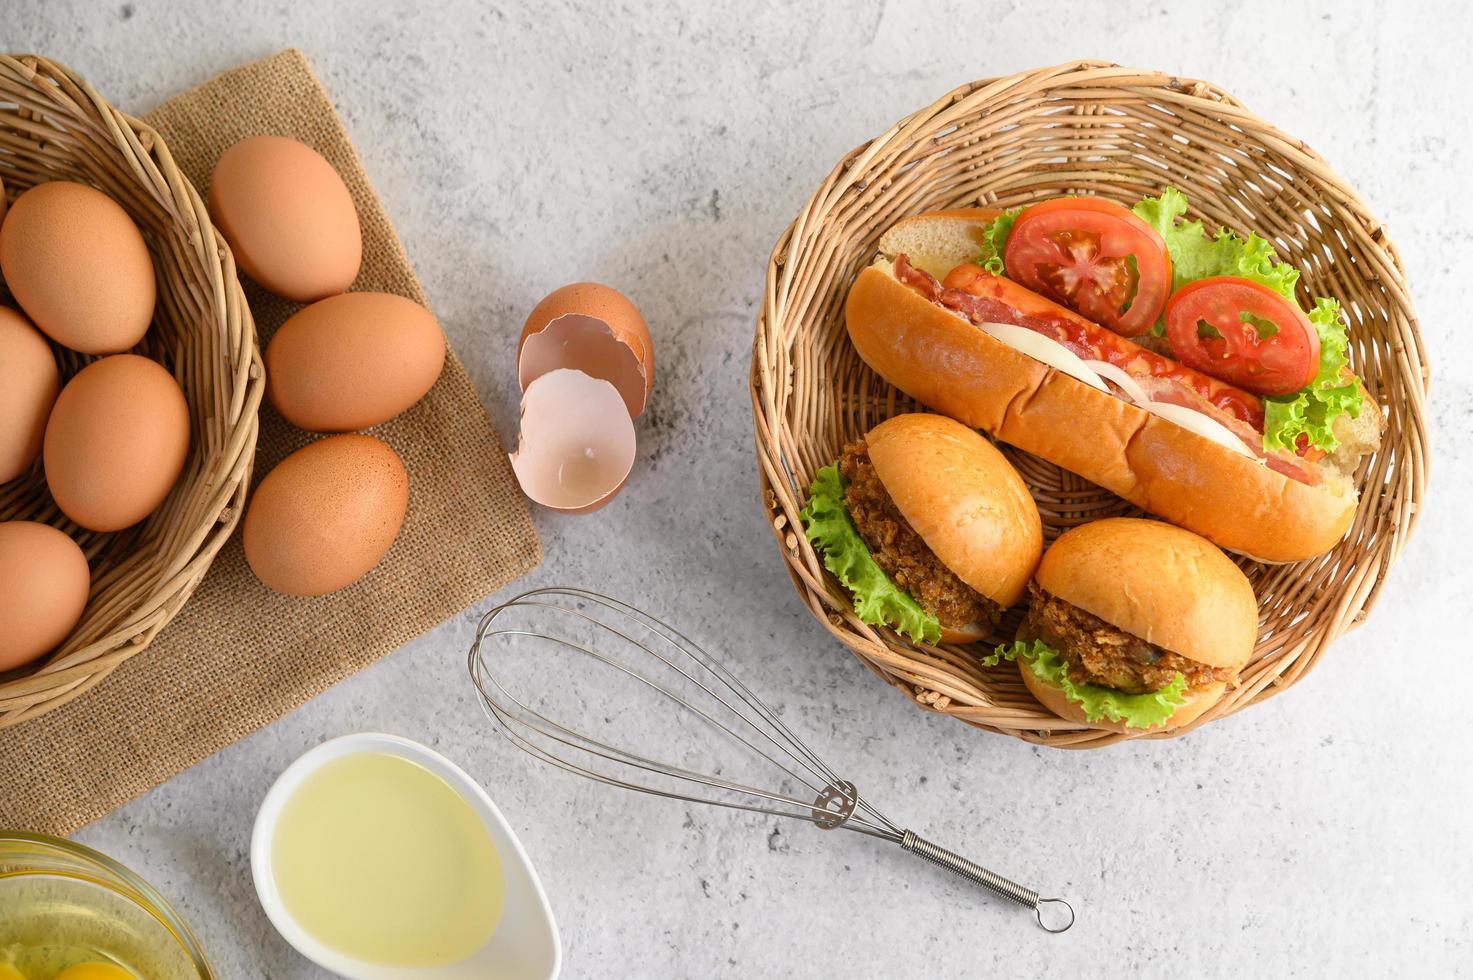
[(525, 945)]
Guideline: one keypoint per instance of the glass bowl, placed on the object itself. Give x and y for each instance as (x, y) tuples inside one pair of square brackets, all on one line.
[(65, 904)]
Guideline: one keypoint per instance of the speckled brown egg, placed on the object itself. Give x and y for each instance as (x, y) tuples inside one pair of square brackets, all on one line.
[(77, 265), (116, 442), (325, 515), (28, 387), (352, 361), (43, 589), (288, 217)]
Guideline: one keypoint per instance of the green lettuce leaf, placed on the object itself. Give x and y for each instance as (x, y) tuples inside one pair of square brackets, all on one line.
[(1135, 710), (877, 600), (1334, 392), (1310, 412), (994, 237), (1197, 255)]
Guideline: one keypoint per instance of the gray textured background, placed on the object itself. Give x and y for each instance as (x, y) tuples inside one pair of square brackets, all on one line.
[(662, 148)]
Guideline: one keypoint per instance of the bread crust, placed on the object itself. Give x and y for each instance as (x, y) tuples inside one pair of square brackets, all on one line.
[(939, 241), (963, 498), (973, 633), (952, 367), (1198, 700), (1161, 583)]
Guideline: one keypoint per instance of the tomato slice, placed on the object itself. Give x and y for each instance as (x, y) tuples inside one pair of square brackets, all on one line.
[(1094, 257), (1242, 332)]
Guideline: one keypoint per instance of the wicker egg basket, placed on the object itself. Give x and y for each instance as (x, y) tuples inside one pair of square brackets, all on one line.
[(1083, 128), (53, 126)]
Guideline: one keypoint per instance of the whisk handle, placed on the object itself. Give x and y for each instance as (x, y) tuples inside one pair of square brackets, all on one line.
[(1061, 913)]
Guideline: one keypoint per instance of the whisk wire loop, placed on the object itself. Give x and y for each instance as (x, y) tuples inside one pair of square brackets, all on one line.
[(806, 759), (518, 720), (830, 803)]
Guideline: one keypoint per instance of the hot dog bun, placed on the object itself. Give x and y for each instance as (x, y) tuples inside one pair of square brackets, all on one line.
[(938, 241), (950, 366)]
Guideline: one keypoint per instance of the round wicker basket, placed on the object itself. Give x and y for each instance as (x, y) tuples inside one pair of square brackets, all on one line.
[(1083, 128), (53, 126)]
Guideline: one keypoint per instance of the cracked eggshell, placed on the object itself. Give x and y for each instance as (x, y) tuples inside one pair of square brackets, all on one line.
[(576, 445), (594, 329)]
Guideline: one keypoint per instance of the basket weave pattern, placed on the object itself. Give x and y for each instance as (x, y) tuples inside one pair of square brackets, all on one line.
[(53, 126), (1099, 129)]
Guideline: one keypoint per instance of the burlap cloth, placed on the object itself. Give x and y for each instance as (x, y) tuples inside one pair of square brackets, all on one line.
[(239, 656)]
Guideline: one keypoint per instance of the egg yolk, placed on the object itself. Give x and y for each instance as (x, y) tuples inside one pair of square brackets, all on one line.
[(95, 971)]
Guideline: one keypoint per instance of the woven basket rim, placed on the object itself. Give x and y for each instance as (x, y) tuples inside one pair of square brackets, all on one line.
[(940, 678), (134, 597)]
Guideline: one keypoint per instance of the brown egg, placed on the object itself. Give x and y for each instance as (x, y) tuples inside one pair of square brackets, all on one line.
[(116, 442), (77, 265), (325, 515), (28, 387), (43, 589), (288, 217), (591, 328), (352, 361)]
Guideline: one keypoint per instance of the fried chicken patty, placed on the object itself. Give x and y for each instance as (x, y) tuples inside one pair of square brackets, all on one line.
[(1098, 653), (899, 550)]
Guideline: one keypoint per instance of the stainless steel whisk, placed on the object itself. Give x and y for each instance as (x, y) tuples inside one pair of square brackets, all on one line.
[(583, 622)]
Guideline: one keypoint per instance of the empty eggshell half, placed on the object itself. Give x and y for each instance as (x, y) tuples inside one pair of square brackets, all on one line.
[(576, 446), (587, 344), (591, 328)]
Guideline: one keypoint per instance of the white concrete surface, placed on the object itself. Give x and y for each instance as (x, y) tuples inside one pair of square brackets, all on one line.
[(662, 148)]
